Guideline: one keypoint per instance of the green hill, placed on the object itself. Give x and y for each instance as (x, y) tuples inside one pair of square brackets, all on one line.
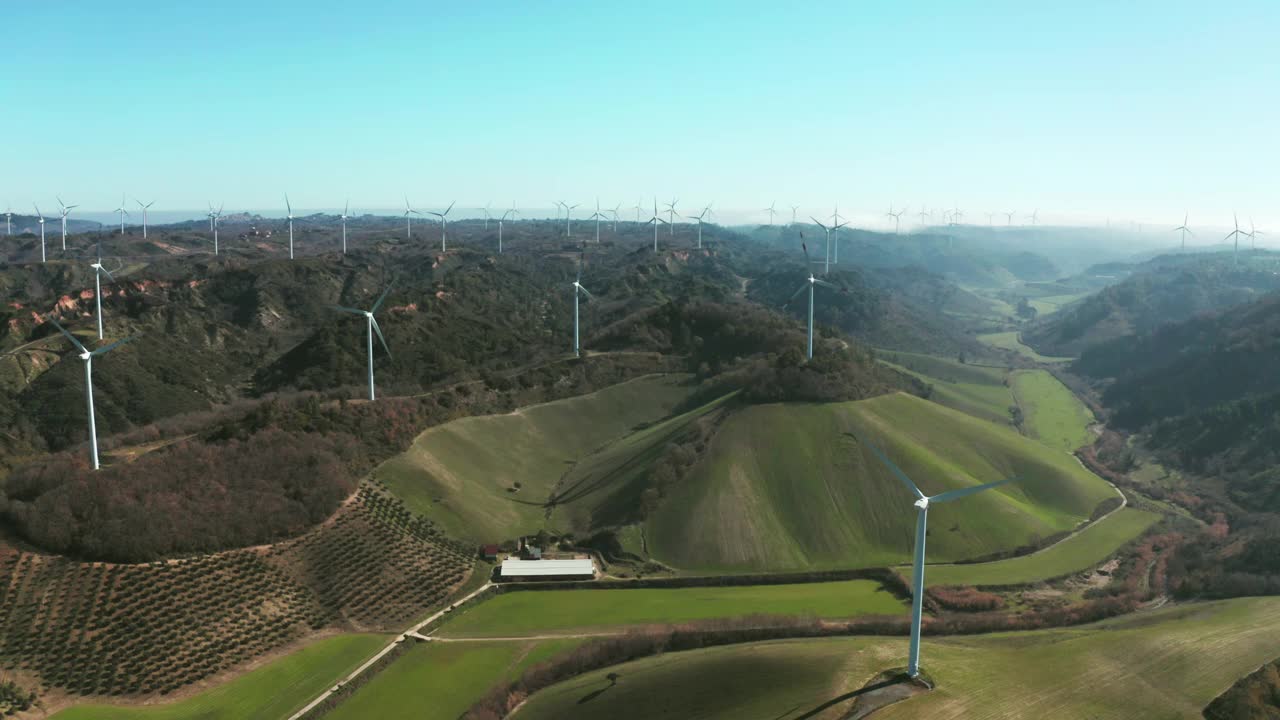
[(464, 474), (785, 487)]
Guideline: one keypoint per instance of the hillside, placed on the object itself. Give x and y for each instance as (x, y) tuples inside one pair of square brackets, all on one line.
[(785, 487), (1163, 290)]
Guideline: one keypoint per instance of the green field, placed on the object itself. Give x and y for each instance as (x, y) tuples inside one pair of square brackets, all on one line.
[(439, 681), (973, 389), (1009, 341), (1167, 663), (460, 474), (561, 611), (1051, 413), (784, 487), (1053, 303), (271, 692), (1090, 547)]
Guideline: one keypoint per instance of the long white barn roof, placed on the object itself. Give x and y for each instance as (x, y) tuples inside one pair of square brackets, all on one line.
[(542, 568)]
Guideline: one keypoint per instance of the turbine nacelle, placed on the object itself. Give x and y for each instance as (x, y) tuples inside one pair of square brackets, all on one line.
[(85, 355), (922, 503)]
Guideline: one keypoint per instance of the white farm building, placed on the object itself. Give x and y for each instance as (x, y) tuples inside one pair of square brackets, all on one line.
[(577, 569)]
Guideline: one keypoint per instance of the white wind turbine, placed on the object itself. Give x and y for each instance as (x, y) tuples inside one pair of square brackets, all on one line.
[(1009, 218), (597, 216), (654, 222), (485, 209), (98, 269), (827, 261), (577, 288), (614, 212), (671, 217), (346, 210), (215, 216), (289, 210), (512, 212), (144, 215), (444, 227), (771, 211), (8, 220), (1253, 234), (371, 327), (568, 229), (40, 219), (66, 210), (122, 212), (638, 208), (922, 504), (559, 204), (409, 212), (1034, 216), (87, 356), (699, 218), (1235, 259), (1184, 230), (794, 208), (809, 285), (923, 215)]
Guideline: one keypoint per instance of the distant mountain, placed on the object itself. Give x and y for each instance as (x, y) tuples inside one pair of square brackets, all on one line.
[(1163, 290)]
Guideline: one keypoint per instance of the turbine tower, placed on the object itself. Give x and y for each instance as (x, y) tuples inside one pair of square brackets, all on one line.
[(408, 221), (144, 215), (577, 288), (485, 209), (597, 217), (654, 222), (371, 326), (444, 227), (771, 211), (512, 211), (922, 503), (794, 208), (638, 208), (1184, 230), (122, 212), (568, 228), (40, 218), (1033, 217), (1253, 234), (699, 218), (671, 217), (1235, 257), (216, 215), (809, 285), (87, 356), (66, 210), (98, 269), (346, 210), (8, 220), (614, 212), (897, 217), (289, 210), (827, 261), (1009, 218)]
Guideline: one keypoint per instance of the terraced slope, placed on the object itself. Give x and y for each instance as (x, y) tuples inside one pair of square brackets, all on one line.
[(465, 474), (786, 487), (1167, 663)]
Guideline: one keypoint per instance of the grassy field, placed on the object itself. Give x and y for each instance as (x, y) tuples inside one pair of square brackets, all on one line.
[(1051, 413), (1009, 341), (973, 389), (439, 681), (786, 487), (1053, 303), (564, 611), (1079, 552), (460, 474), (271, 692), (1168, 663)]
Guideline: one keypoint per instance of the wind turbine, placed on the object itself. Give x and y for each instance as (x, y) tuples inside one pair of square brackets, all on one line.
[(40, 217), (638, 209), (897, 217), (597, 217), (922, 504), (671, 216), (559, 204), (654, 221), (485, 209), (98, 269), (1009, 218), (809, 285), (87, 356), (408, 221), (699, 219), (956, 214), (346, 209), (216, 215), (923, 214), (614, 212), (290, 211), (512, 211), (1184, 230), (1253, 234), (568, 228), (371, 327), (122, 212), (827, 261), (794, 208), (577, 287), (444, 227), (1033, 216), (771, 211), (66, 210), (1235, 259), (990, 219), (8, 220), (144, 215)]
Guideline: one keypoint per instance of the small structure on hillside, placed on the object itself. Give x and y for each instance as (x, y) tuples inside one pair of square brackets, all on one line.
[(489, 552), (575, 569)]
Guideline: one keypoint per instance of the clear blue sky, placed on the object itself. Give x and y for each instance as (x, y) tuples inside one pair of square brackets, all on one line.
[(1088, 109)]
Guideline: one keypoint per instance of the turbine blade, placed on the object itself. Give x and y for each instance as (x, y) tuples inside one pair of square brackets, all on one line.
[(381, 298), (893, 468), (70, 337), (108, 272), (585, 292), (796, 294), (112, 346), (824, 283), (819, 224), (340, 308), (950, 495), (378, 330), (807, 262)]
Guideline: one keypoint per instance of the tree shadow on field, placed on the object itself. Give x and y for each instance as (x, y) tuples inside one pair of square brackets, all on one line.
[(851, 695), (613, 681)]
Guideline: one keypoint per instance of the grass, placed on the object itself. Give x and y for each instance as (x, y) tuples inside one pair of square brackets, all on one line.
[(460, 474), (1009, 341), (1051, 413), (976, 390), (270, 692), (1167, 663), (566, 611), (785, 487), (439, 681), (1090, 547)]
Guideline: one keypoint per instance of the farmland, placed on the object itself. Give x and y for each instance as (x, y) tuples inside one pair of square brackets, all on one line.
[(563, 611), (786, 487), (1051, 413), (1167, 663), (1009, 341), (973, 389)]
